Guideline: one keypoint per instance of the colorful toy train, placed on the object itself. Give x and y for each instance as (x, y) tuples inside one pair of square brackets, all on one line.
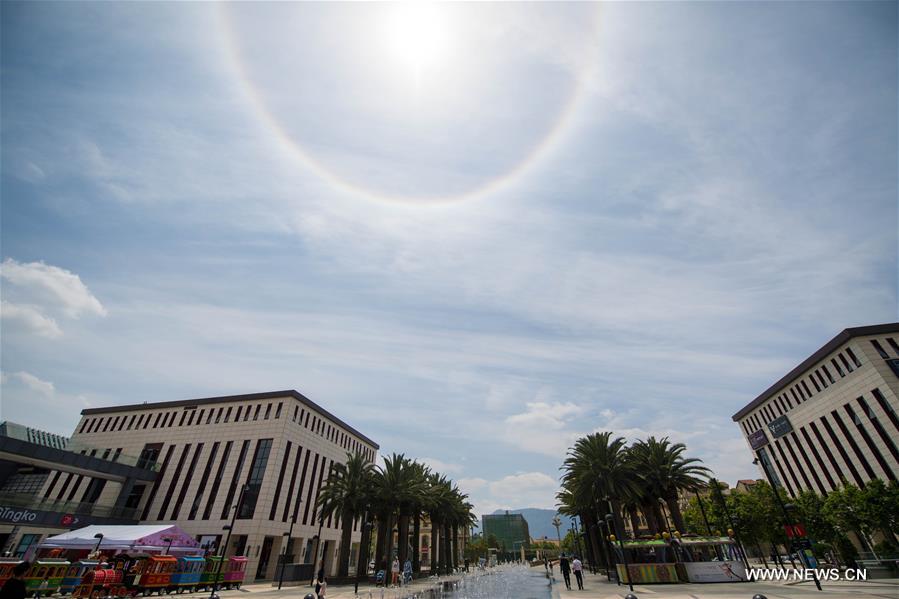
[(126, 575)]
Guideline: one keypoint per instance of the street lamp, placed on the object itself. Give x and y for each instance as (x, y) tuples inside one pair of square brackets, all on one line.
[(169, 545), (783, 508), (610, 517), (99, 537), (287, 534), (229, 528)]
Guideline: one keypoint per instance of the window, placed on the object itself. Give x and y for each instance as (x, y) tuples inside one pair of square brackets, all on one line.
[(246, 415), (837, 366), (285, 459), (307, 419), (812, 379), (183, 416), (894, 345), (159, 477), (134, 497), (814, 450), (176, 478), (872, 447), (188, 478), (845, 362), (218, 415), (190, 419), (835, 442), (256, 412), (881, 432), (226, 509), (855, 448), (106, 426), (808, 392), (885, 405), (122, 423), (802, 471), (254, 480), (880, 350), (311, 488), (209, 415), (228, 414), (268, 411), (278, 411), (200, 417), (787, 397), (25, 543), (827, 372), (219, 474), (853, 357), (131, 422), (296, 410), (821, 378), (84, 425), (237, 413), (293, 480), (156, 422)]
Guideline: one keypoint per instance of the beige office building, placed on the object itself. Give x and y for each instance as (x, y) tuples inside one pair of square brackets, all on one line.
[(832, 419), (279, 446)]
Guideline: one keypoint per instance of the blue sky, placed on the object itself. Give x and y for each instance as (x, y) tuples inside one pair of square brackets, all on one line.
[(473, 231)]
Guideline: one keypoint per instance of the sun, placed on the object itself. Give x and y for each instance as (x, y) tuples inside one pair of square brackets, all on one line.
[(416, 37)]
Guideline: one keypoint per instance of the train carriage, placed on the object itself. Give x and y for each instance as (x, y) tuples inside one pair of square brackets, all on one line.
[(6, 567), (212, 572), (235, 572), (51, 570), (154, 573), (74, 573), (187, 574), (101, 582)]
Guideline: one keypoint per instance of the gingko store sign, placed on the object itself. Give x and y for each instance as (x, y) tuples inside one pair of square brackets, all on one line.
[(9, 514), (780, 427)]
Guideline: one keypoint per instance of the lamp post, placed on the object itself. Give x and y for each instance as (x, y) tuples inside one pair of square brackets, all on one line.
[(577, 536), (610, 522), (99, 537), (706, 520), (600, 524), (168, 546), (229, 528), (733, 526), (318, 541), (287, 534), (783, 509)]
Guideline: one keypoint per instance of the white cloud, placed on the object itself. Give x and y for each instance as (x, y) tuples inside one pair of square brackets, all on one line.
[(59, 287), (515, 491), (441, 466), (30, 318), (543, 427), (34, 383)]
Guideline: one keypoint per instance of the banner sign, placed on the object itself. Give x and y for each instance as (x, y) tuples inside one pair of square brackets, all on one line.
[(728, 571), (780, 427), (758, 439)]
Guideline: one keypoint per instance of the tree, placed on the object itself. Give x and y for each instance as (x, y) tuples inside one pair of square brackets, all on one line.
[(345, 494)]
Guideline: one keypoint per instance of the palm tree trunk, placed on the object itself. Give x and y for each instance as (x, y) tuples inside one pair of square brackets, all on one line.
[(416, 543), (447, 568), (346, 538), (676, 515), (364, 543), (388, 554), (403, 539), (381, 546), (616, 514), (455, 547), (435, 544)]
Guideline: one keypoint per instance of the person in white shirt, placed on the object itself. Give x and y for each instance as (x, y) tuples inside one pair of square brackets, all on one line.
[(578, 569)]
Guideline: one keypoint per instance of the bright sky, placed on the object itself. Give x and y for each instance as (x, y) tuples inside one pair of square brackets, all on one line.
[(475, 231)]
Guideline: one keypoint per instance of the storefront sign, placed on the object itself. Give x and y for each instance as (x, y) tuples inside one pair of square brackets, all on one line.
[(17, 515), (780, 427), (758, 439), (729, 571)]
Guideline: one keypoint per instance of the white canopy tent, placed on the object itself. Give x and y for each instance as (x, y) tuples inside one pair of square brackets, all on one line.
[(143, 538)]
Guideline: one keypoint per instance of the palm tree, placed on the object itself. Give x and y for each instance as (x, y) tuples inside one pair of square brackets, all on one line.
[(665, 472), (396, 488), (599, 474), (345, 494), (437, 502), (420, 473)]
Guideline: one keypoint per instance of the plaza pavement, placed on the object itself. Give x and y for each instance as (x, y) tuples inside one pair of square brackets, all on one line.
[(597, 587)]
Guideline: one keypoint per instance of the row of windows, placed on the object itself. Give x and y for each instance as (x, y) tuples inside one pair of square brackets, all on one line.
[(331, 433), (167, 419), (880, 350), (191, 415), (858, 415), (68, 490), (300, 494), (801, 392)]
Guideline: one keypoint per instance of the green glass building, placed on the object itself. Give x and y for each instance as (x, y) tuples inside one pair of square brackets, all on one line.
[(511, 530)]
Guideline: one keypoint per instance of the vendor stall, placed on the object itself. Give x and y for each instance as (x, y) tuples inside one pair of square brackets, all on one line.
[(648, 561), (711, 559), (111, 539)]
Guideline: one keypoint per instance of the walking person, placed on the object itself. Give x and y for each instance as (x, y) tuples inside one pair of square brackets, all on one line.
[(565, 567), (14, 588), (578, 568), (395, 572), (321, 587)]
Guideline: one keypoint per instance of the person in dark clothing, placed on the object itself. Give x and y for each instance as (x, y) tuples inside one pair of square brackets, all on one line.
[(565, 567), (15, 586)]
